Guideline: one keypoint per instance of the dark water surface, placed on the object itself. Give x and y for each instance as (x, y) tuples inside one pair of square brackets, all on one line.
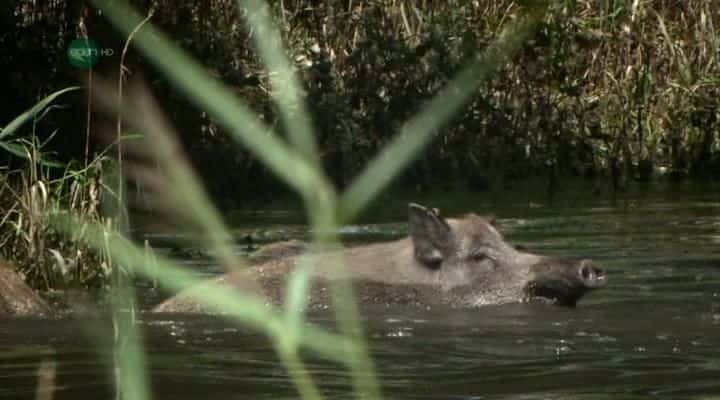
[(653, 333)]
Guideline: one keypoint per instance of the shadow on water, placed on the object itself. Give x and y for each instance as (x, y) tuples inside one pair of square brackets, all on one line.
[(653, 333)]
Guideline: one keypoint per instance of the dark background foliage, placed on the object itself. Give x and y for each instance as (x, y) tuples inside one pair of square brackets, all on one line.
[(605, 89)]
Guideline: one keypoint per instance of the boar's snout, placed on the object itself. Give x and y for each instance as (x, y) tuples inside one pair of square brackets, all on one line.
[(563, 281), (591, 275)]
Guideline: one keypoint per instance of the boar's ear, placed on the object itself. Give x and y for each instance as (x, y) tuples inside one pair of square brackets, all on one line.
[(431, 235)]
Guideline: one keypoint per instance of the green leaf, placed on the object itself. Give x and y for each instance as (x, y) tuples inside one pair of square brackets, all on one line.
[(21, 119)]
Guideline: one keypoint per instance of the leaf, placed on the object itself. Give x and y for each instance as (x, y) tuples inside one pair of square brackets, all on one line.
[(21, 119), (21, 151)]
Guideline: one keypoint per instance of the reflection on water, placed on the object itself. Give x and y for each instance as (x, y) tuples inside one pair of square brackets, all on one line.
[(652, 333)]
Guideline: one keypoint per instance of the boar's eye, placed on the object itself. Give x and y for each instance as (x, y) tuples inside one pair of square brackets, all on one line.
[(479, 256)]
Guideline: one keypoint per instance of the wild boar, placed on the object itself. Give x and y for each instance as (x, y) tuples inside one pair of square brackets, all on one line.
[(463, 262)]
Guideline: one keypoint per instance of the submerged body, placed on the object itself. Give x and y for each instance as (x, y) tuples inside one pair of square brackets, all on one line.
[(461, 262)]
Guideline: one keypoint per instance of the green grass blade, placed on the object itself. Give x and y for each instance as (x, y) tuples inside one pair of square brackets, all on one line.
[(246, 309), (21, 119), (297, 295), (183, 190), (289, 356), (130, 369), (21, 151), (129, 353), (209, 94), (286, 90)]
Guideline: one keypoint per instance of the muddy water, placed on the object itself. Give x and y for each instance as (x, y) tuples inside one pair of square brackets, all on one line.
[(653, 333)]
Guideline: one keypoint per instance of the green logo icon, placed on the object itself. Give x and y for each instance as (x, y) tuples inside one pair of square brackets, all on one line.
[(85, 53)]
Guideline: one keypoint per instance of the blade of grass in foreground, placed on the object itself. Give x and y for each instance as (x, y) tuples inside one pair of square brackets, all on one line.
[(210, 95), (185, 194), (418, 132), (130, 368), (321, 205), (313, 186), (320, 199), (248, 310), (181, 188), (297, 171), (286, 88), (129, 356)]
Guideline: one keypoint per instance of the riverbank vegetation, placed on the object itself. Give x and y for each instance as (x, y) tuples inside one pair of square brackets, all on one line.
[(37, 186), (616, 90)]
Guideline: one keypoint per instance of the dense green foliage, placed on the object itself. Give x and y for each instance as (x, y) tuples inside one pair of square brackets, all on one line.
[(618, 88)]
